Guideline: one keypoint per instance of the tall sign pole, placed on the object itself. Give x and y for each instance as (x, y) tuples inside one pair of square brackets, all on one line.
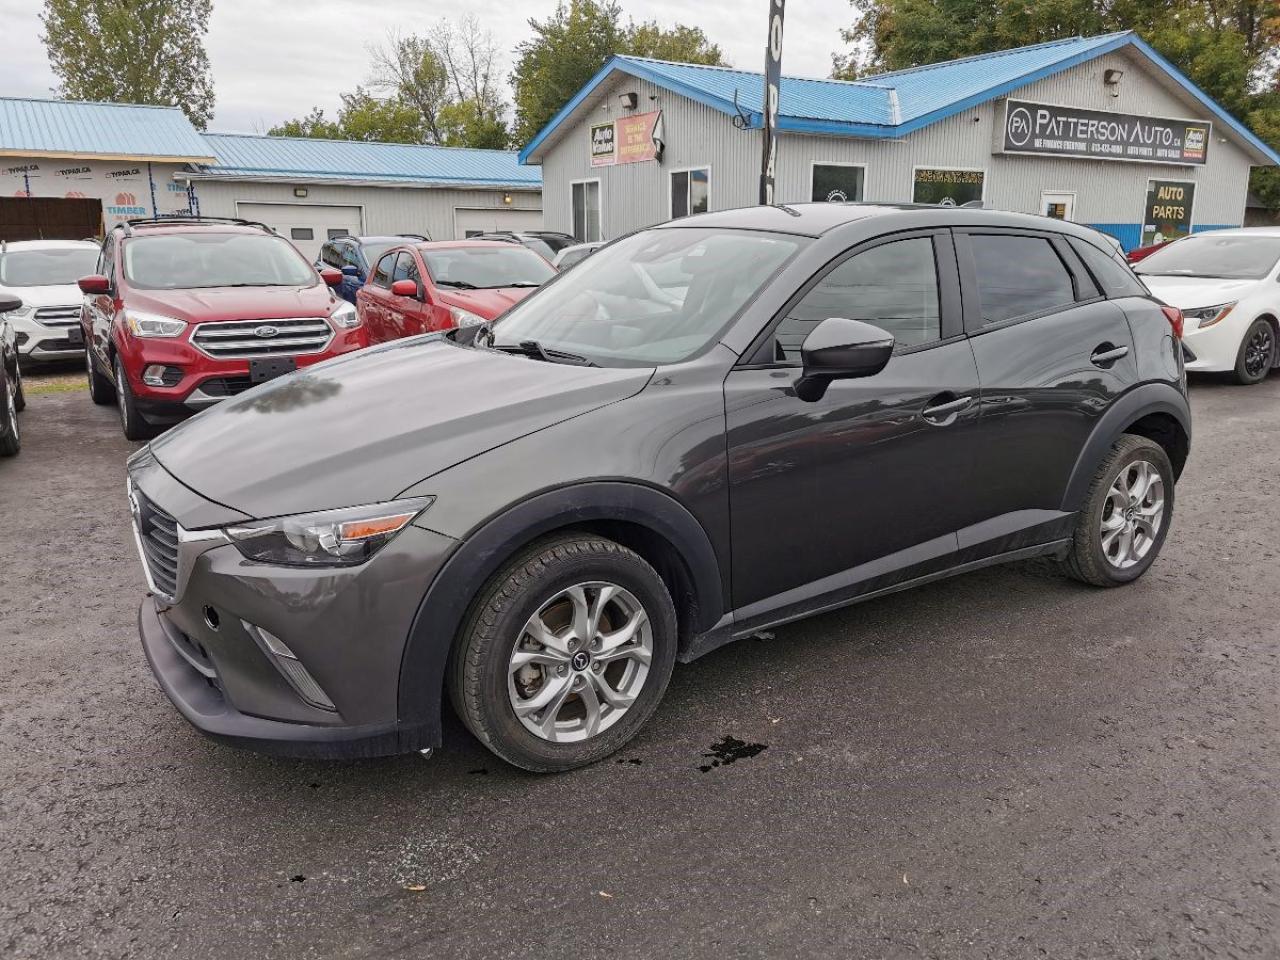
[(772, 78)]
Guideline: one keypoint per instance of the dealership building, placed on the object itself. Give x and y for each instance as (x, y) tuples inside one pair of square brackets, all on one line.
[(1099, 130), (71, 169)]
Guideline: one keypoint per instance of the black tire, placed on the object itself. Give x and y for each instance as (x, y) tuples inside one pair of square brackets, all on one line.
[(101, 391), (479, 664), (10, 434), (131, 422), (20, 394), (1257, 353), (1088, 561)]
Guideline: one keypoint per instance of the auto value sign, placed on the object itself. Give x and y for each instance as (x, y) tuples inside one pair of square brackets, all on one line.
[(1041, 128)]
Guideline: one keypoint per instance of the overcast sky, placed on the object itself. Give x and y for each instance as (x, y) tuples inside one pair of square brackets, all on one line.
[(275, 59)]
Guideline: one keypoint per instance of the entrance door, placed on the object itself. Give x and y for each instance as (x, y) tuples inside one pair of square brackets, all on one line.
[(307, 225), (1058, 205)]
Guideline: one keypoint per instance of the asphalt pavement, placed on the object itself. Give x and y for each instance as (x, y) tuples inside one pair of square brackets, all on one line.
[(1004, 765)]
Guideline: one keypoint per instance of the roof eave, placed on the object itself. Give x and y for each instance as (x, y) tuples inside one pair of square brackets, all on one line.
[(353, 180), (126, 157)]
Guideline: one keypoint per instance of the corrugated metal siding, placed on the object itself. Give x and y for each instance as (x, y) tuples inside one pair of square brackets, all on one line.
[(385, 209), (72, 128)]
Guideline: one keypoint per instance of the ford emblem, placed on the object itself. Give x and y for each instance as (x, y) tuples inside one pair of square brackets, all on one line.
[(266, 331)]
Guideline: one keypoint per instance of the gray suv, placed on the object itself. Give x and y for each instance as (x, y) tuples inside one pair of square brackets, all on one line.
[(706, 429)]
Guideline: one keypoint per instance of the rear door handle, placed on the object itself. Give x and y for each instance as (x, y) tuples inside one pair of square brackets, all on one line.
[(1106, 354), (944, 413)]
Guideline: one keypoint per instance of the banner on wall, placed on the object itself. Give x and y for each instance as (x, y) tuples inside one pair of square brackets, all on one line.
[(631, 139)]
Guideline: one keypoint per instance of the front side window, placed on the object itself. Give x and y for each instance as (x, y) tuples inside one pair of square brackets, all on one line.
[(659, 296), (1018, 276), (487, 267), (1231, 257), (186, 261), (48, 267), (893, 286), (586, 211), (382, 272), (405, 268), (837, 183), (690, 192)]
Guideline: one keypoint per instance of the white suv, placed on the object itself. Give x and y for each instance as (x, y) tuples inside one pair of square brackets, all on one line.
[(43, 273)]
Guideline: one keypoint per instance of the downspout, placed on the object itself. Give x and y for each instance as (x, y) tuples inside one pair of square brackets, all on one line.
[(152, 181)]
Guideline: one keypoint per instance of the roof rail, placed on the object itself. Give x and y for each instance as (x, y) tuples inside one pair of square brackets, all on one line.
[(129, 225), (415, 236)]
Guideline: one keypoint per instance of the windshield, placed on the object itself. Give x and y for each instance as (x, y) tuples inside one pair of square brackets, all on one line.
[(483, 268), (541, 247), (187, 261), (1229, 257), (659, 296), (47, 268)]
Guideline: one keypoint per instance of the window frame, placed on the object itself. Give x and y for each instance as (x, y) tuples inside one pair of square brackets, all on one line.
[(759, 355), (373, 271), (814, 164), (599, 207), (671, 189), (970, 290)]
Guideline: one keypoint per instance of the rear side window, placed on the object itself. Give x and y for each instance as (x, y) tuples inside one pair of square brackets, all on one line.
[(893, 286), (1019, 276), (1115, 278), (382, 272)]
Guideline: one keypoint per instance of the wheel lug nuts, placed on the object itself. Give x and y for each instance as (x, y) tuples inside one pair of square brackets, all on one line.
[(573, 644), (562, 670), (595, 644), (597, 666)]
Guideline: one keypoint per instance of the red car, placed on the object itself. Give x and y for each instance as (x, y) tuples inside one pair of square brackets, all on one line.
[(422, 287), (183, 313), (1141, 253)]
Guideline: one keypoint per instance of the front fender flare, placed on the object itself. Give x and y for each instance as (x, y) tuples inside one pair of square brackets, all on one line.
[(482, 552)]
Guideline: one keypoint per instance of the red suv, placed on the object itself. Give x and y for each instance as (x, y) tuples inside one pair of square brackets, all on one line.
[(421, 287), (183, 313)]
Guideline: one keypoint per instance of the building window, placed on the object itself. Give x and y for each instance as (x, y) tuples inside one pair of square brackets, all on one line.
[(948, 188), (837, 182), (586, 210), (690, 192), (1168, 211), (301, 233)]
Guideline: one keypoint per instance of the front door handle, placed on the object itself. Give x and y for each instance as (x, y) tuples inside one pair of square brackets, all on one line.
[(1105, 354), (944, 408)]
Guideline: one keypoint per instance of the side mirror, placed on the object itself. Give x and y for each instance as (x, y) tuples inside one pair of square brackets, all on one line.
[(405, 288), (841, 349), (94, 285), (331, 276), (350, 271), (9, 302)]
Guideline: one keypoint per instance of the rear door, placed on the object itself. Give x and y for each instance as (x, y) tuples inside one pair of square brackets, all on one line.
[(1053, 355)]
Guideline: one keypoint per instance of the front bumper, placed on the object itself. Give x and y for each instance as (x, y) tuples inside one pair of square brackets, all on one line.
[(36, 341)]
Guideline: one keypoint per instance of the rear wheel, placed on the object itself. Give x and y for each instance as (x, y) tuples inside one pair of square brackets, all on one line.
[(101, 391), (10, 435), (1126, 516), (131, 422), (566, 654), (1257, 353)]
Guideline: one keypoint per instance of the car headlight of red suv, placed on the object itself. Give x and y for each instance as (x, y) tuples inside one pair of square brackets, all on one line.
[(344, 316), (143, 324)]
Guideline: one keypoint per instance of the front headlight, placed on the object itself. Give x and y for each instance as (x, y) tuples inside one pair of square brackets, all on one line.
[(331, 538), (24, 312), (465, 318), (345, 316), (1208, 316), (153, 324)]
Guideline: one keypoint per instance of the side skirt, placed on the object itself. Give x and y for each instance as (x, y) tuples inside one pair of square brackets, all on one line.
[(724, 632)]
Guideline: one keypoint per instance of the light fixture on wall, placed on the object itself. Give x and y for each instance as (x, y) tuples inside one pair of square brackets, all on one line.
[(629, 100), (506, 198), (299, 191), (1111, 78)]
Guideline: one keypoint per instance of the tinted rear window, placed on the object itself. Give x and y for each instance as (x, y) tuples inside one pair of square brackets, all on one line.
[(1116, 279), (1019, 276)]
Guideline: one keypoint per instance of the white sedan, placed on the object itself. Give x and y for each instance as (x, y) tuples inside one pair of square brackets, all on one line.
[(1227, 284)]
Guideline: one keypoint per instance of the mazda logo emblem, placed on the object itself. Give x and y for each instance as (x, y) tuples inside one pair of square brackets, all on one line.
[(580, 660), (266, 331)]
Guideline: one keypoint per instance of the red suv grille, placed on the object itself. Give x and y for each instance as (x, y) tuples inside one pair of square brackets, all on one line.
[(228, 339)]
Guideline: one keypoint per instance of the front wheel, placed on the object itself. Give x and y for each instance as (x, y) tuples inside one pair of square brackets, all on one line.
[(566, 654), (1257, 353), (19, 394), (131, 422), (101, 391), (10, 434), (1126, 515)]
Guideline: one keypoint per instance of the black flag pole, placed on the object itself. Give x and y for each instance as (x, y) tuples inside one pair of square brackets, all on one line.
[(772, 79)]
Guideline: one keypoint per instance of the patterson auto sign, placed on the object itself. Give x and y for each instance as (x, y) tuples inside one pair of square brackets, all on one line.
[(1041, 128)]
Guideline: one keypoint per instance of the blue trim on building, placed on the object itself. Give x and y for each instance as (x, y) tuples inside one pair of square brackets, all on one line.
[(1130, 234)]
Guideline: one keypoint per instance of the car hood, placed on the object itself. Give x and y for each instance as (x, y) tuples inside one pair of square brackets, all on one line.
[(1190, 293), (54, 295), (364, 427), (486, 303), (236, 303)]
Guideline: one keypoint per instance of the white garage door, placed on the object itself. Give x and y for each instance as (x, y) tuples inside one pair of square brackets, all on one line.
[(308, 225), (468, 223)]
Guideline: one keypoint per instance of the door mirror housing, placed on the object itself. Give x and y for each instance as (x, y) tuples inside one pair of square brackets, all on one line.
[(9, 302), (351, 271), (331, 276), (405, 288), (841, 349), (94, 285)]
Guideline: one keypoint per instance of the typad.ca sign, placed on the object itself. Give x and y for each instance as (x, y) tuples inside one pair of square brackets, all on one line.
[(1041, 128)]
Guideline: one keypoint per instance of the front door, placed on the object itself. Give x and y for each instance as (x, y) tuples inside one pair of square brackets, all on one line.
[(1058, 205), (856, 490)]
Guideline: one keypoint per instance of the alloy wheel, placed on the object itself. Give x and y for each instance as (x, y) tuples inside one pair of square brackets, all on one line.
[(1132, 514), (11, 404), (580, 662), (122, 401), (1259, 350)]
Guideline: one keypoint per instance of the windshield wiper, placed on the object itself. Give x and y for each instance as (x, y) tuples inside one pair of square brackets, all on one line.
[(532, 348), (460, 284), (522, 283)]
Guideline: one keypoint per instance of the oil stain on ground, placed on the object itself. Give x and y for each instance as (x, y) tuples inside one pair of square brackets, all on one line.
[(730, 750)]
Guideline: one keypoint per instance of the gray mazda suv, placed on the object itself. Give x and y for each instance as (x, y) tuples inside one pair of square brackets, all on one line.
[(706, 429)]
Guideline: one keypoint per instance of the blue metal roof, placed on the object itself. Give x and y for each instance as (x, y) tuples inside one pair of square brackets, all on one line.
[(887, 105), (74, 128), (239, 156)]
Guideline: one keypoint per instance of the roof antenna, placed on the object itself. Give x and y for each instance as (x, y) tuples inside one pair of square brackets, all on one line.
[(741, 120)]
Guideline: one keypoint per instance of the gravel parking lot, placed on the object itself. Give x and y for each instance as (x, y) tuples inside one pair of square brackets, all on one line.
[(1004, 765)]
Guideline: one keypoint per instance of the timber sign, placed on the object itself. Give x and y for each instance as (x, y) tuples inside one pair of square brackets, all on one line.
[(1041, 128)]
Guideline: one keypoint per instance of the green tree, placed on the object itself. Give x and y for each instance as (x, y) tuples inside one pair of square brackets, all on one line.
[(313, 125), (365, 117), (132, 51), (571, 45)]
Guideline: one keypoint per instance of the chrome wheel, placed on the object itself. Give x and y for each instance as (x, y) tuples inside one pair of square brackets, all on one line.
[(11, 404), (1258, 351), (1132, 514), (580, 662)]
